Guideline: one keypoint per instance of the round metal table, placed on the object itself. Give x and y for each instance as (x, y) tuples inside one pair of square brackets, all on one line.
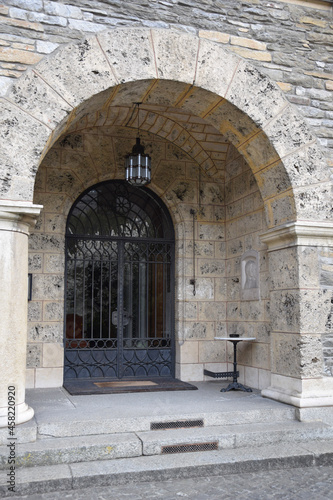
[(234, 385)]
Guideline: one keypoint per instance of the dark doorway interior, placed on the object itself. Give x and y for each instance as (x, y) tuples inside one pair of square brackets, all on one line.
[(119, 304)]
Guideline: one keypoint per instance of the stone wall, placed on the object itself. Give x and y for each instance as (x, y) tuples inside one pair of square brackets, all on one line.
[(224, 216), (247, 315), (289, 40)]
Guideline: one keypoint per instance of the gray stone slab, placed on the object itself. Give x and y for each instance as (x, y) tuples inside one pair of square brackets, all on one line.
[(322, 450), (250, 416), (48, 399), (163, 467), (78, 424), (74, 449), (24, 433), (236, 436), (158, 468), (38, 480), (265, 434), (154, 441), (60, 414)]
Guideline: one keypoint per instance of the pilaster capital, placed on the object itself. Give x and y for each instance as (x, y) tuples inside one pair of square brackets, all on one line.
[(300, 233), (18, 216)]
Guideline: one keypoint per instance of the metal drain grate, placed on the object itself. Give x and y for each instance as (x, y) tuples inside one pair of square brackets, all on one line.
[(186, 448), (176, 424)]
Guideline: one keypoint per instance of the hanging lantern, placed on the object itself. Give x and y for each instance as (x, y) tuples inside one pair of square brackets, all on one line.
[(138, 166), (137, 163)]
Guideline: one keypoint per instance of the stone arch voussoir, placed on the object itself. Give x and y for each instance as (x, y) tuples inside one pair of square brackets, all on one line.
[(277, 143)]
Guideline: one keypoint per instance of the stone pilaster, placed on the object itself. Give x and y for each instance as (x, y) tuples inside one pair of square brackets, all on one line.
[(300, 308), (16, 218)]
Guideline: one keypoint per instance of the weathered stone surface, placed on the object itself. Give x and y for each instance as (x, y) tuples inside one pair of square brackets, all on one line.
[(212, 352), (288, 132), (199, 102), (211, 231), (204, 330), (283, 267), (211, 268), (34, 355), (54, 263), (296, 355), (306, 166), (49, 287), (51, 242), (139, 54), (314, 200), (53, 355), (235, 126), (280, 210), (266, 99), (19, 160), (32, 94), (85, 72), (213, 311), (299, 311), (35, 262), (214, 54), (170, 56), (53, 311), (326, 268), (285, 311), (55, 223), (45, 332), (273, 180), (34, 311)]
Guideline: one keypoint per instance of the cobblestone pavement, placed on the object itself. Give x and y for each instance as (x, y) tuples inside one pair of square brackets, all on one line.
[(309, 483)]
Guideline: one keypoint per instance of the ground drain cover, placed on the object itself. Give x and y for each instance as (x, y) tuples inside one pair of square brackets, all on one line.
[(186, 448), (176, 424)]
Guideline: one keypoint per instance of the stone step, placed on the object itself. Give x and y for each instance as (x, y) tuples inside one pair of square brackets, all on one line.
[(34, 480), (74, 449), (231, 437), (54, 451), (61, 424)]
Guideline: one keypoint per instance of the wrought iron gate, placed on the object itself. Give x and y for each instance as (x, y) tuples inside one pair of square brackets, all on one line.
[(119, 285)]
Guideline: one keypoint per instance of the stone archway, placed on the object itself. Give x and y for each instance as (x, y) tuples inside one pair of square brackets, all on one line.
[(184, 71), (178, 69)]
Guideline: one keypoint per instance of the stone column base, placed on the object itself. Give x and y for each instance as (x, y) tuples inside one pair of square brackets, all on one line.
[(23, 413), (307, 393)]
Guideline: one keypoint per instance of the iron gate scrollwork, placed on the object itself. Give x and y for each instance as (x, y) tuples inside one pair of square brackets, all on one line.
[(119, 285)]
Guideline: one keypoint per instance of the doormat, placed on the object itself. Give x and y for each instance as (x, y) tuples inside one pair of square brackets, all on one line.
[(91, 386), (124, 383)]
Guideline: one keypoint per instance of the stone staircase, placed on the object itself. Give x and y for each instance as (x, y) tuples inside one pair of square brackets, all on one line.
[(65, 450)]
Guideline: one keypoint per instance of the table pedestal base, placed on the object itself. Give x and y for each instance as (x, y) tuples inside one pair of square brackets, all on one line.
[(235, 386)]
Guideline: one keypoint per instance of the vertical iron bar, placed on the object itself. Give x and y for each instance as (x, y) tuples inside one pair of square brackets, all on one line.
[(110, 292), (120, 308), (92, 298), (155, 301), (172, 310), (74, 298), (138, 325), (147, 333), (83, 295), (164, 296), (101, 302)]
